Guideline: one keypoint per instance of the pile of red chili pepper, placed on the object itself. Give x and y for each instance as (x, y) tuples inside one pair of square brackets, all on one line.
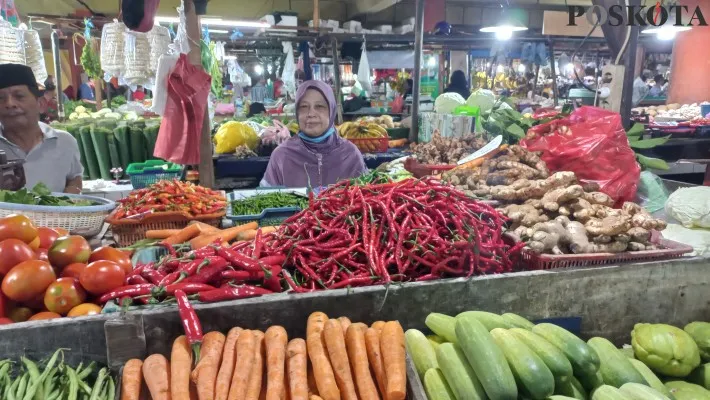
[(213, 273), (175, 196), (413, 230)]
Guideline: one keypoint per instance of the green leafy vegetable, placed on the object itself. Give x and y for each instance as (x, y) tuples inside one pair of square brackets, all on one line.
[(654, 163), (648, 143), (40, 195), (636, 130)]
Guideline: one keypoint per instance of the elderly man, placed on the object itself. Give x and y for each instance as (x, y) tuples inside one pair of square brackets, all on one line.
[(50, 156)]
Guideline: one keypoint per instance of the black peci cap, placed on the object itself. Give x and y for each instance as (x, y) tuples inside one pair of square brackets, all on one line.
[(17, 74)]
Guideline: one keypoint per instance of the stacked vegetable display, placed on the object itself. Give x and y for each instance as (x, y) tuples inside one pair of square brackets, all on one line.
[(55, 380), (48, 274), (481, 355), (338, 359), (171, 196)]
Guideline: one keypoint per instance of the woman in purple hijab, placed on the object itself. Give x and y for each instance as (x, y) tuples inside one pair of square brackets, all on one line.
[(317, 156)]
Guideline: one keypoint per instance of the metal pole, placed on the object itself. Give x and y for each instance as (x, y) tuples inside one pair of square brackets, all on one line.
[(630, 66), (418, 43), (336, 80), (57, 73), (553, 70)]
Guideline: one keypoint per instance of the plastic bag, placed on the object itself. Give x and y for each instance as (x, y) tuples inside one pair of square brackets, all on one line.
[(166, 63), (690, 206), (398, 104), (594, 146), (288, 74), (233, 134), (363, 71), (652, 193)]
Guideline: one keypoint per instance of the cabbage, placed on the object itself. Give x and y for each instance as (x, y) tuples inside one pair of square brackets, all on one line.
[(482, 98), (690, 206), (447, 102)]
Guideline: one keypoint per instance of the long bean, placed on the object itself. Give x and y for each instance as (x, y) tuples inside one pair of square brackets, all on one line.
[(98, 385), (73, 389), (111, 389), (83, 374), (21, 388), (256, 204), (31, 390)]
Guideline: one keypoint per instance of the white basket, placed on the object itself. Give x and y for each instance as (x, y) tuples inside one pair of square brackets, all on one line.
[(159, 38), (112, 48), (86, 221), (136, 56), (34, 57)]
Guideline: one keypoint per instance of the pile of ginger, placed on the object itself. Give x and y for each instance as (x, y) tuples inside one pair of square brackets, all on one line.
[(554, 213)]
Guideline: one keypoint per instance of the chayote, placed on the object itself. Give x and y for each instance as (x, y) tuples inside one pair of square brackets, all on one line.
[(665, 349), (700, 332)]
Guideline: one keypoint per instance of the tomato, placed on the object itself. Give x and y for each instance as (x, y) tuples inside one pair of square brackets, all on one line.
[(110, 254), (63, 295), (34, 245), (61, 231), (42, 254), (68, 250), (20, 314), (103, 276), (6, 321), (44, 315), (36, 304), (47, 237), (13, 252), (17, 226), (84, 309), (73, 270), (28, 280)]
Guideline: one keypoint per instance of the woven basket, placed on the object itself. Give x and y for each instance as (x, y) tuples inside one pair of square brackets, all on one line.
[(129, 231), (159, 38), (136, 59), (86, 221), (34, 57), (12, 41), (112, 43)]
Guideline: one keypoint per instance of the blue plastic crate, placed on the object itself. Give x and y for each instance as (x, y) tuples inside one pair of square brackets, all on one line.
[(268, 216)]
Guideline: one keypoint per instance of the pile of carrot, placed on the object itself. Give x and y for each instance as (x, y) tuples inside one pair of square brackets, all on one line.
[(199, 234), (338, 360)]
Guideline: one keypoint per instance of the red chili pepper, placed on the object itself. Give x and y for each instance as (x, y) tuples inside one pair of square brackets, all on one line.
[(209, 270), (190, 322), (188, 288), (127, 291), (154, 276), (170, 248), (231, 293), (136, 280), (237, 260), (173, 277)]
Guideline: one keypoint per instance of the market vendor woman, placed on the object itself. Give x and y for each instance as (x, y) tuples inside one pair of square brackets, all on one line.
[(50, 156), (317, 156)]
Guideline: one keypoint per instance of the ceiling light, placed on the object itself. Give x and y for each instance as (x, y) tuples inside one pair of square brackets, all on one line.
[(431, 62), (218, 22), (507, 22), (500, 69), (504, 34), (258, 69), (521, 68), (218, 31)]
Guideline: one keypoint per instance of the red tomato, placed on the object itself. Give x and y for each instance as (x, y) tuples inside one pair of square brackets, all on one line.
[(63, 295), (68, 250), (17, 226), (44, 315), (28, 280), (110, 254), (13, 252), (100, 277), (36, 304), (84, 309), (42, 254), (6, 321), (47, 237), (73, 270), (20, 314), (34, 245), (61, 231)]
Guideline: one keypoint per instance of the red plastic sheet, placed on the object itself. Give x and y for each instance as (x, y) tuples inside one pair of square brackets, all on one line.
[(595, 148), (179, 135)]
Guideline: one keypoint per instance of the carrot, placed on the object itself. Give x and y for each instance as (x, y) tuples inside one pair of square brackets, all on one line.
[(131, 380), (156, 372), (378, 325), (359, 325), (335, 342), (224, 235), (372, 343), (314, 397), (242, 369), (205, 228), (393, 359), (357, 354), (322, 370), (257, 372), (275, 339), (205, 374), (251, 233), (180, 365), (183, 235), (312, 387), (345, 323), (161, 233), (224, 377), (316, 322), (297, 368)]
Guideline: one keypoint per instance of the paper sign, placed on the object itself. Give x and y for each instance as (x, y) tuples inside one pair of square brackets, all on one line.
[(492, 145)]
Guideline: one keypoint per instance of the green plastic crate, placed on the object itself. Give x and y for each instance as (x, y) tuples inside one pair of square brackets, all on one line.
[(152, 171)]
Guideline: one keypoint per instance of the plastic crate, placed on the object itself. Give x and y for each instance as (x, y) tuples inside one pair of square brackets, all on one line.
[(130, 230), (268, 216), (152, 171), (371, 145)]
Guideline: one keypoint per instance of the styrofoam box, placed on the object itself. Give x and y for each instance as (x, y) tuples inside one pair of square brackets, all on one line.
[(404, 29), (322, 23), (353, 26), (384, 28), (333, 23)]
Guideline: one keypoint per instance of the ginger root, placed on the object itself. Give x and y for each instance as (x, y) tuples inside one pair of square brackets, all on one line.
[(525, 214), (611, 225), (599, 198), (552, 201)]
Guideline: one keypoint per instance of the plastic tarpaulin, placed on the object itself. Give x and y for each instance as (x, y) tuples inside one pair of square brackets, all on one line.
[(394, 59)]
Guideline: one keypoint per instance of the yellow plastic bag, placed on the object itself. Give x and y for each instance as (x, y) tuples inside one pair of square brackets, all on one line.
[(233, 134)]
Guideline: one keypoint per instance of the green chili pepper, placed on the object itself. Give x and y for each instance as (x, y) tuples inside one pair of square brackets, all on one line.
[(256, 204)]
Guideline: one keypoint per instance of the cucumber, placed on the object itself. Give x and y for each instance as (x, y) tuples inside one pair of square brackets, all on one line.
[(458, 373), (553, 357), (529, 370), (583, 358), (436, 387), (489, 320), (435, 341), (570, 388), (687, 391), (701, 376), (650, 377), (638, 391), (420, 350), (442, 325), (616, 369), (606, 392), (486, 359), (517, 321), (590, 381)]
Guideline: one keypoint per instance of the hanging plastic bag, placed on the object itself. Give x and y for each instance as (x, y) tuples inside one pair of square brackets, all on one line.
[(288, 74), (363, 71), (652, 193), (166, 63), (592, 143), (398, 104), (233, 134)]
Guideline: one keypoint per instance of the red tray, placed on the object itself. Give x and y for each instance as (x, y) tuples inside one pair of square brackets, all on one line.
[(669, 250)]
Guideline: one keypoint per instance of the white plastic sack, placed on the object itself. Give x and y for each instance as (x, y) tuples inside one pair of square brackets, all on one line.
[(166, 63), (690, 206), (363, 71), (698, 239), (288, 75)]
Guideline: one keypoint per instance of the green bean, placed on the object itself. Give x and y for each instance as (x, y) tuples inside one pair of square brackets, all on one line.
[(13, 389), (55, 394), (47, 369), (4, 368), (48, 383), (256, 204), (98, 385), (73, 390), (85, 388), (104, 391), (86, 372), (78, 368), (21, 388), (111, 389)]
